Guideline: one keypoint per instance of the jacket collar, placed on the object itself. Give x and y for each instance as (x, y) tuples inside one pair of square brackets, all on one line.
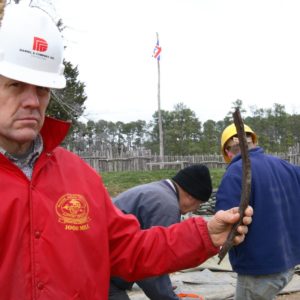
[(53, 132), (252, 152)]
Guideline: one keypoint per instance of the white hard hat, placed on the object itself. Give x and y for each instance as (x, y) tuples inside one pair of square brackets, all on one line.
[(31, 47)]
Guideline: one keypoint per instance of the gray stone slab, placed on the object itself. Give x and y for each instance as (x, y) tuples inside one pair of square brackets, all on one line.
[(211, 285), (293, 286)]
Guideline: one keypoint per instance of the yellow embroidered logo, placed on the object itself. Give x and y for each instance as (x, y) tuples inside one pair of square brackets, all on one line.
[(73, 211)]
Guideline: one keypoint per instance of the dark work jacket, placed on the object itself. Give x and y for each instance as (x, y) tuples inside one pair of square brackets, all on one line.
[(154, 204)]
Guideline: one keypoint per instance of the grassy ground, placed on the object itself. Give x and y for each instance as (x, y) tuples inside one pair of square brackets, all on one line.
[(117, 182)]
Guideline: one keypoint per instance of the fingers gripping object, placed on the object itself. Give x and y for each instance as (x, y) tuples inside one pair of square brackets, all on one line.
[(246, 183)]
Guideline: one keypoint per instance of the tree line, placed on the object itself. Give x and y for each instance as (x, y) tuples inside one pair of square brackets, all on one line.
[(184, 133)]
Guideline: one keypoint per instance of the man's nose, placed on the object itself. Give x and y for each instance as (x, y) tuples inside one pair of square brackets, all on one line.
[(30, 96)]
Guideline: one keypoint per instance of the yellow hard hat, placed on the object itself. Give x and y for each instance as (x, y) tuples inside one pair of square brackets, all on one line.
[(228, 133)]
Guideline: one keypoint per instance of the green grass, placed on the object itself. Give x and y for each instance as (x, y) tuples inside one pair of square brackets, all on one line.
[(117, 182)]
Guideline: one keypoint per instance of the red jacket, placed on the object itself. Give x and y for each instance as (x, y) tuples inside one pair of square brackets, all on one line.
[(61, 237)]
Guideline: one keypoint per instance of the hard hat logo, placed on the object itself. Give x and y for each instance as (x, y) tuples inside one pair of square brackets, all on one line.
[(39, 44)]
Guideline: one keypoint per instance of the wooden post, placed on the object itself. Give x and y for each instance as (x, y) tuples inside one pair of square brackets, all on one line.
[(161, 138)]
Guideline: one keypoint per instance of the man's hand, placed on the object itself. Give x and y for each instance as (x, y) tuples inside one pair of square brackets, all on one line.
[(221, 223)]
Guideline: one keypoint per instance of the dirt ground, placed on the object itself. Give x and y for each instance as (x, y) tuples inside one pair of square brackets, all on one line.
[(292, 296)]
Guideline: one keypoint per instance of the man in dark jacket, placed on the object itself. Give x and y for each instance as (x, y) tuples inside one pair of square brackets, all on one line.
[(265, 262), (162, 203)]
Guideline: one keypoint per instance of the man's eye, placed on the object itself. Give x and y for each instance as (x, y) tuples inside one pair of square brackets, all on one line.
[(15, 84), (43, 89)]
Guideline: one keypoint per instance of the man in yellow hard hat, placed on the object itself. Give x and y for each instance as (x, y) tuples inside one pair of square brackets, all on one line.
[(265, 261)]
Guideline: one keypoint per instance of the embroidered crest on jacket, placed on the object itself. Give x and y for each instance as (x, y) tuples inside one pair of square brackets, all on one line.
[(73, 211)]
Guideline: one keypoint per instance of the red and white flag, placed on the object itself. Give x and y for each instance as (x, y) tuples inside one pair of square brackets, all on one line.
[(156, 51)]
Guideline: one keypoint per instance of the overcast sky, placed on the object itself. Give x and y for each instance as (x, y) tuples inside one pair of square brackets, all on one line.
[(213, 53)]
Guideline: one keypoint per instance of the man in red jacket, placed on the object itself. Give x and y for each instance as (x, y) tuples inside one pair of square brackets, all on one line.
[(61, 237)]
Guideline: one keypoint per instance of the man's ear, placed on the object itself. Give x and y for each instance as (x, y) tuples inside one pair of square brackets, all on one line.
[(249, 139), (250, 142)]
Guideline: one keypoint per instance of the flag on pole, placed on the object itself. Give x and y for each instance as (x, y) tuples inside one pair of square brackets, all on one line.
[(157, 50)]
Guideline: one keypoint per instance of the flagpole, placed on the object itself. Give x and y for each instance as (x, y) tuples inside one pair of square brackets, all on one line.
[(160, 128)]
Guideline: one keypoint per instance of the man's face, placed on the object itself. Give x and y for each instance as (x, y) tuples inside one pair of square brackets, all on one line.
[(187, 203), (22, 113), (232, 147)]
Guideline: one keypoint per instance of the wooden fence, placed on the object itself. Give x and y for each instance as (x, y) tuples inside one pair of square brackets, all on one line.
[(100, 164), (143, 163)]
